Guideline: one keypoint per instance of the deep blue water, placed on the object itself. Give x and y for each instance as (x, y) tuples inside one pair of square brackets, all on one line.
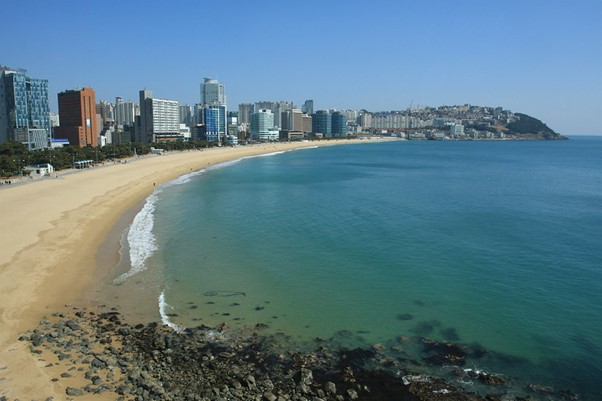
[(489, 243)]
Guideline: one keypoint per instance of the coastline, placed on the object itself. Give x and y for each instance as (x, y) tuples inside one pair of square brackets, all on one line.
[(54, 228)]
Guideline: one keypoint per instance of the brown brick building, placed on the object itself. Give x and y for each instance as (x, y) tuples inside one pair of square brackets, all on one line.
[(77, 116)]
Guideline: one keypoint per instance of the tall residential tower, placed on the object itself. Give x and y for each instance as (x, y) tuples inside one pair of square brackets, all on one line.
[(159, 119)]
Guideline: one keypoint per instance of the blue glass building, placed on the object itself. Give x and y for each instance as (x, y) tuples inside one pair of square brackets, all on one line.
[(339, 124), (214, 118), (322, 123), (24, 109)]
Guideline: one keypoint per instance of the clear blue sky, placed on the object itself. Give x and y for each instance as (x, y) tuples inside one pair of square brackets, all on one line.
[(539, 57)]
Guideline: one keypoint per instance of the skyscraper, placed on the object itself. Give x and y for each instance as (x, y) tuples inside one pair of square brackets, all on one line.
[(322, 123), (186, 115), (214, 112), (308, 107), (125, 112), (339, 124), (24, 109), (244, 112), (212, 92), (77, 116)]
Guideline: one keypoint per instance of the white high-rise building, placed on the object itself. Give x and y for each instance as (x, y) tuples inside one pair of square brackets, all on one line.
[(159, 118), (262, 126), (212, 92)]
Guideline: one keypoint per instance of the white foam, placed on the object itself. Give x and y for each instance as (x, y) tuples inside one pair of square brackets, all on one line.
[(267, 154), (163, 306), (140, 239)]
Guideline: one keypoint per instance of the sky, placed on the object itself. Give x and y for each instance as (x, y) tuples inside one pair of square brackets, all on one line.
[(538, 57)]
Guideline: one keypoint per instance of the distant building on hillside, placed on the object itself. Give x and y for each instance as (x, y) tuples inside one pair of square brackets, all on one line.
[(456, 130)]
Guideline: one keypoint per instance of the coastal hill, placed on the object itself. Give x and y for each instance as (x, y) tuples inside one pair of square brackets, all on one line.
[(475, 122), (531, 128)]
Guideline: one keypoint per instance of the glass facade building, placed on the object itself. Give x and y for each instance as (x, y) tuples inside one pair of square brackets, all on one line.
[(339, 124), (322, 123), (262, 126), (24, 109), (214, 118), (212, 92)]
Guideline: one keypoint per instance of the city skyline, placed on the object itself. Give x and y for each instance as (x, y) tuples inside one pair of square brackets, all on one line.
[(534, 57)]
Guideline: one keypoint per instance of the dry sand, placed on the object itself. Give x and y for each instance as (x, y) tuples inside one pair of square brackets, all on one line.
[(51, 231)]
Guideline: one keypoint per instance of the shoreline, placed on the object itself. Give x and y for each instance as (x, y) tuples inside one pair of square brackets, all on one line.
[(53, 232)]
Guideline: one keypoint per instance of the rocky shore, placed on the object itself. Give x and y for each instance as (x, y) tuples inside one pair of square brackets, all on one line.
[(90, 352)]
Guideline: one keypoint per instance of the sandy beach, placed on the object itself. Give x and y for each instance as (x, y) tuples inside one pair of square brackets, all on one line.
[(52, 229)]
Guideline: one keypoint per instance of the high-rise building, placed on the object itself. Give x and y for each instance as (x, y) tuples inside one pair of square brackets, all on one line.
[(279, 108), (339, 124), (186, 115), (262, 126), (106, 111), (77, 116), (125, 112), (159, 119), (365, 120), (214, 118), (292, 120), (244, 112), (265, 105), (307, 123), (322, 123), (308, 107), (212, 92), (24, 109)]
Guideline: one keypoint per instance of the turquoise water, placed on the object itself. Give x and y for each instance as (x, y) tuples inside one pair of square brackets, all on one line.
[(494, 243)]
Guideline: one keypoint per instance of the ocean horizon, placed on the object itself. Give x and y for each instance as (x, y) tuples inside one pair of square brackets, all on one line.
[(492, 244)]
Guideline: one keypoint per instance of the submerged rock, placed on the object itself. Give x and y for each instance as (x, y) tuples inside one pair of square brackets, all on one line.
[(153, 362)]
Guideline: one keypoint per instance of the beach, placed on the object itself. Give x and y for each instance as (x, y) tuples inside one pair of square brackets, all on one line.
[(52, 229), (67, 331)]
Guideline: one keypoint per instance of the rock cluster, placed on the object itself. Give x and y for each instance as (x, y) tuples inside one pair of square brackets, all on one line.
[(153, 362)]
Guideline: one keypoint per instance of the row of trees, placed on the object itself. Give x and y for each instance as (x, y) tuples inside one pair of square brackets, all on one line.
[(14, 157)]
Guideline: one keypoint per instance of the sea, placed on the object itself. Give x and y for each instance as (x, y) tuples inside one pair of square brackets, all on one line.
[(495, 245)]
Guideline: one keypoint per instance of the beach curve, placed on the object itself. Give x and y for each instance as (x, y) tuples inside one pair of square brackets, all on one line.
[(51, 232)]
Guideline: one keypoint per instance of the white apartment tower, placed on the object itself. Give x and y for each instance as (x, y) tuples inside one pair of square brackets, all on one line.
[(159, 118), (212, 92)]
